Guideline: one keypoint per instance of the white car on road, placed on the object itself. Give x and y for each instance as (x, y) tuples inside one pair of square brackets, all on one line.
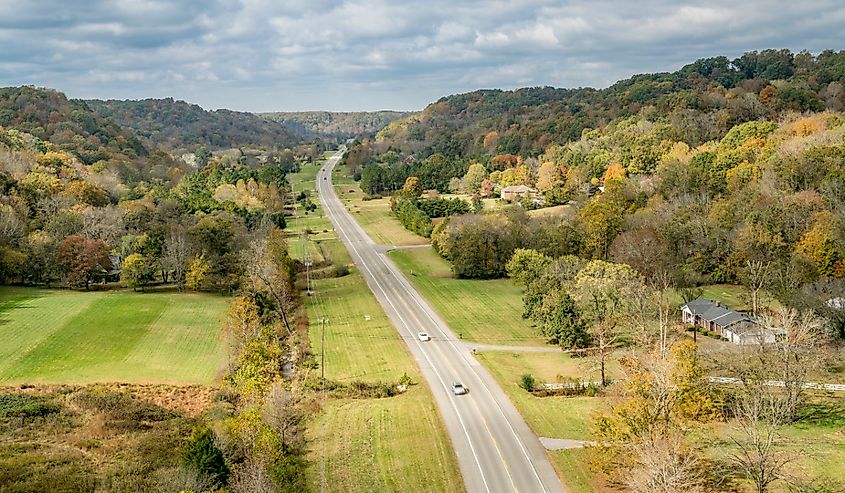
[(423, 336), (459, 389)]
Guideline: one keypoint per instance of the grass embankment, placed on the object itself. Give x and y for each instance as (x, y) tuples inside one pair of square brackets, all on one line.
[(363, 445), (53, 336), (488, 311), (373, 215)]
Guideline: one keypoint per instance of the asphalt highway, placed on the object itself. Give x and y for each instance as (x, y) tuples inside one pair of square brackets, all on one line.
[(496, 450)]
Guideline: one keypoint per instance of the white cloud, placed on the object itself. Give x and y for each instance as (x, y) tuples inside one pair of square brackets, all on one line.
[(367, 54)]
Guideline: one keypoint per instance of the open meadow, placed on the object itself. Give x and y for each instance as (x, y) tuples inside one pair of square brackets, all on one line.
[(57, 336)]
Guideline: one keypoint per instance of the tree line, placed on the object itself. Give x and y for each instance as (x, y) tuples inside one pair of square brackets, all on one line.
[(63, 221), (704, 99)]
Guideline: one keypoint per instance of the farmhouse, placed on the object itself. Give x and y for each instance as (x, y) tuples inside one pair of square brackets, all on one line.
[(113, 274), (734, 326), (516, 192)]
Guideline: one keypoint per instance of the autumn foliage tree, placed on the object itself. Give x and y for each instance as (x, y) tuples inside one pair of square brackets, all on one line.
[(641, 437), (137, 271), (82, 261), (603, 292)]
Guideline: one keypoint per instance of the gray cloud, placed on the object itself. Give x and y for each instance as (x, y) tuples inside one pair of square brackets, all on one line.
[(264, 55)]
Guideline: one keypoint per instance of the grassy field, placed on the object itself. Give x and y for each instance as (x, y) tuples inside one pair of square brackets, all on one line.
[(394, 444), (488, 311), (555, 417), (373, 215), (315, 221), (52, 336), (815, 444), (356, 348)]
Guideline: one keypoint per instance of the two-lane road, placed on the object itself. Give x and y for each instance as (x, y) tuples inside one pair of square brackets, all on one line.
[(495, 448)]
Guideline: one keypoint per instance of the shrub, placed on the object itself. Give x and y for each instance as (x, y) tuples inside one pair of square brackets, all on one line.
[(527, 382), (289, 474), (202, 455), (405, 380), (440, 207), (592, 390), (25, 406)]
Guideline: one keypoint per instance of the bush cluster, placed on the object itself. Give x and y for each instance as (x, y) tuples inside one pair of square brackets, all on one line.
[(412, 217), (22, 405)]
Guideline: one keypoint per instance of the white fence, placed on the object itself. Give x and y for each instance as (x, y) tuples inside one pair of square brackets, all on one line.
[(832, 387), (569, 385)]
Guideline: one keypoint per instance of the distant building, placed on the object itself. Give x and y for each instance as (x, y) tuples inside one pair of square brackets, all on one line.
[(113, 274), (738, 328), (836, 303), (190, 159), (517, 192)]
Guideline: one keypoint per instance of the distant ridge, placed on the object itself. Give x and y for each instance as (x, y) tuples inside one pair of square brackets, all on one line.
[(337, 124), (178, 124)]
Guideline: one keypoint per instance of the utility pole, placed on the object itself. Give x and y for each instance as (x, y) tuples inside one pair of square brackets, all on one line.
[(323, 384), (306, 259), (322, 349)]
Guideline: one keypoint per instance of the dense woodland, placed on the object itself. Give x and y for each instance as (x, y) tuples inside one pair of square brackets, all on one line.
[(702, 101), (722, 172), (82, 195)]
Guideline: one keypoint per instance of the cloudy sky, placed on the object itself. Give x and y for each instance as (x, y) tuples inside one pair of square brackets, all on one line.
[(266, 55)]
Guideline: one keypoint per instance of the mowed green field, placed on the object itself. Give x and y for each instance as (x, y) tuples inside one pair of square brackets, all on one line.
[(395, 444), (315, 221), (485, 311), (53, 336), (356, 348), (554, 417)]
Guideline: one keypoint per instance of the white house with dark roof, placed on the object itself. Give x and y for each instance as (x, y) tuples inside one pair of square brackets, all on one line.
[(738, 328)]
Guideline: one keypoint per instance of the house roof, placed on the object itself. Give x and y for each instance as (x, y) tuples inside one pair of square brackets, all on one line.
[(715, 312), (518, 189), (698, 306), (749, 327)]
